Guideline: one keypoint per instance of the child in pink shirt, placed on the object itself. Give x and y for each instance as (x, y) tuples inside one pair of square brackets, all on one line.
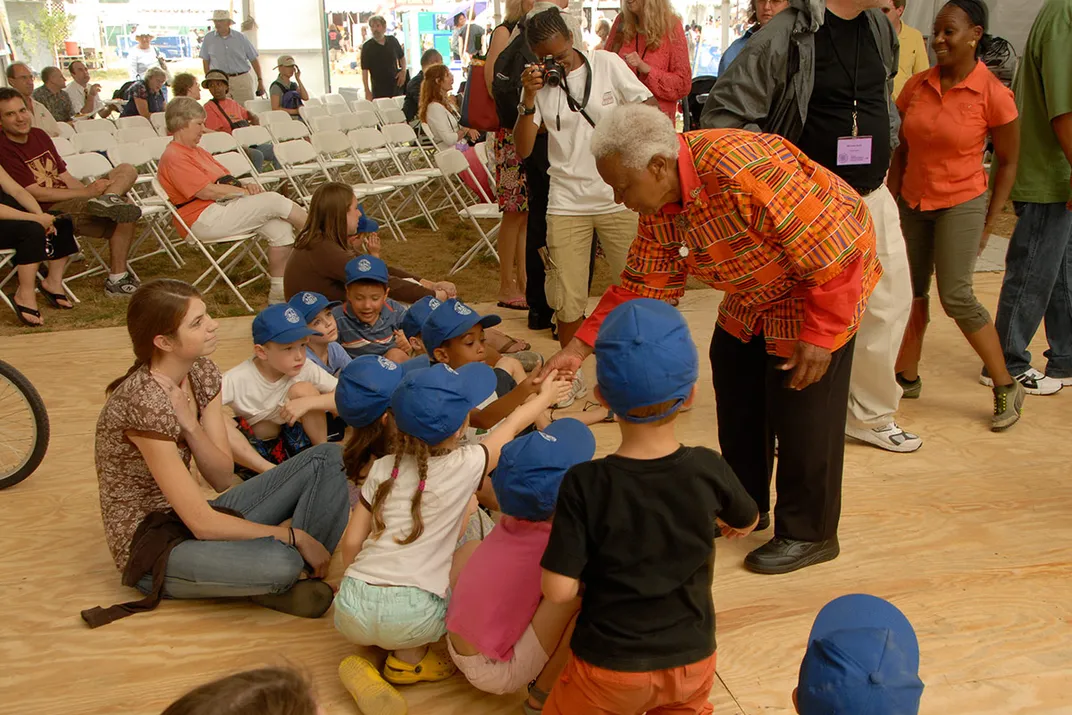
[(500, 633)]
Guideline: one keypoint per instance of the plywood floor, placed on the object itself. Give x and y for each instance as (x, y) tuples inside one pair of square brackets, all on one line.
[(969, 537)]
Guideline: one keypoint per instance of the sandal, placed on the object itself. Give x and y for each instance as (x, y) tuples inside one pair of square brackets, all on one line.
[(539, 696), (515, 304), (55, 298), (21, 311), (505, 344)]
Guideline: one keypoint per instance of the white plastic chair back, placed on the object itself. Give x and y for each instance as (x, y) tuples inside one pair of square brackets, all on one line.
[(384, 104), (134, 154), (88, 166), (134, 122), (288, 131), (237, 165), (366, 139), (363, 105), (64, 146), (156, 146), (333, 98), (133, 135), (159, 123), (94, 141), (252, 136), (218, 142), (451, 162), (367, 119), (394, 116), (337, 109), (295, 153), (273, 116), (308, 113), (400, 101), (66, 130), (331, 142), (88, 126), (348, 122), (258, 106), (323, 124), (314, 102)]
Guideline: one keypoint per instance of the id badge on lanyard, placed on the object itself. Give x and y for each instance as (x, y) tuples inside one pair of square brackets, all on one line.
[(853, 150)]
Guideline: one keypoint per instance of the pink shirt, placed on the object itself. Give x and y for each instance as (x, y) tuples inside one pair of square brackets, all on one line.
[(499, 588), (670, 78)]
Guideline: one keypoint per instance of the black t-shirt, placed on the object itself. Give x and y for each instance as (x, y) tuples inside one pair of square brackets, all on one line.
[(830, 108), (413, 96), (639, 534), (382, 63)]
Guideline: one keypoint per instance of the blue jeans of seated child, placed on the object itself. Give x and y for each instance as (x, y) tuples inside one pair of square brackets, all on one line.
[(310, 488), (1037, 285)]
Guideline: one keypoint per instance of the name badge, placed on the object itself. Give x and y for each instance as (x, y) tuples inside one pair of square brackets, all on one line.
[(853, 151), (608, 99)]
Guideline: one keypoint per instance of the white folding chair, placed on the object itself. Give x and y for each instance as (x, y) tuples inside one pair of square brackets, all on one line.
[(323, 124), (156, 119), (333, 98), (314, 102), (134, 122), (87, 168), (367, 143), (241, 246), (66, 130), (362, 105), (274, 115), (64, 146), (94, 141), (302, 166), (256, 136), (133, 135), (288, 131), (155, 146), (237, 164), (348, 122), (217, 142), (336, 110), (308, 112), (453, 164), (154, 214), (367, 120), (7, 271), (258, 106), (394, 115), (400, 101), (384, 105), (88, 126)]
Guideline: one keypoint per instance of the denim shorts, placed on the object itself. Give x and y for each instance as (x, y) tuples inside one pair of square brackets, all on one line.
[(389, 617)]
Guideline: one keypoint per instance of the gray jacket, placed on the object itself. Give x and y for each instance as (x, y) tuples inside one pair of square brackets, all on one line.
[(769, 85)]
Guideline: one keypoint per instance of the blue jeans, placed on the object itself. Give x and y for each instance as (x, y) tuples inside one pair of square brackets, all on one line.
[(1038, 284), (259, 153), (309, 487)]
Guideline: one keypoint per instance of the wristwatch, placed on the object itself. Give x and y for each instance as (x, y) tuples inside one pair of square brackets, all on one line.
[(524, 111)]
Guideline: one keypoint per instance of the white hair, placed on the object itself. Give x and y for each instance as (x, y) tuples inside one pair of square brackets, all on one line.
[(180, 112), (637, 133)]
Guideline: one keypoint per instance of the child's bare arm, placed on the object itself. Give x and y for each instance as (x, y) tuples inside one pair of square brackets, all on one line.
[(523, 416), (293, 410), (558, 588), (357, 531), (503, 407)]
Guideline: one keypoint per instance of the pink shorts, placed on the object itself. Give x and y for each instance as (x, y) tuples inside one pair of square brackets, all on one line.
[(503, 677)]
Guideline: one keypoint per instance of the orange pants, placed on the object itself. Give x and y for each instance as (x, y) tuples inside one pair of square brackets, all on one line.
[(584, 689)]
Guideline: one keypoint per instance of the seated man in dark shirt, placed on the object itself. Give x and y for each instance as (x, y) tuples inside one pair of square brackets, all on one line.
[(413, 89), (638, 527)]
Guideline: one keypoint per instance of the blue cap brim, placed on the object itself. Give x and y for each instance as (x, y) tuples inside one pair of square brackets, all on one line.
[(291, 335), (480, 382)]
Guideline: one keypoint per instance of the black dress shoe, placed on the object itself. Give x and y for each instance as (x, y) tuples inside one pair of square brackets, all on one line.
[(540, 321), (781, 555), (764, 523)]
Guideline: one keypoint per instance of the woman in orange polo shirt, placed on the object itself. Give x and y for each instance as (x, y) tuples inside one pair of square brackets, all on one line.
[(937, 171)]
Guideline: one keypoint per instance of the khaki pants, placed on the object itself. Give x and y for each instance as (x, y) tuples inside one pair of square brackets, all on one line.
[(874, 394), (243, 87), (569, 244)]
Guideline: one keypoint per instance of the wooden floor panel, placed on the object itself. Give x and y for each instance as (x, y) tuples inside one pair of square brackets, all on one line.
[(969, 537)]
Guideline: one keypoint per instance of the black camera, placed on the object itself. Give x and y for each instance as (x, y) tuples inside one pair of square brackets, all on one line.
[(553, 72)]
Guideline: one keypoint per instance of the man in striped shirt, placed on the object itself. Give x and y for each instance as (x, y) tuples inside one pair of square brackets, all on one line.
[(793, 247)]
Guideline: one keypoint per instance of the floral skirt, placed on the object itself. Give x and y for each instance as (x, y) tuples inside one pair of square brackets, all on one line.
[(509, 173)]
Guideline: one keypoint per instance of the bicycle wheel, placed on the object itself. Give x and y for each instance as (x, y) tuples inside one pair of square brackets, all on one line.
[(23, 427)]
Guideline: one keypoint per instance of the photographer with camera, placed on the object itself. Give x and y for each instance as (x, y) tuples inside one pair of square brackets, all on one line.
[(568, 92)]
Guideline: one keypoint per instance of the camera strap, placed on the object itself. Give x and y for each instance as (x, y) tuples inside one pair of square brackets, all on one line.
[(571, 102)]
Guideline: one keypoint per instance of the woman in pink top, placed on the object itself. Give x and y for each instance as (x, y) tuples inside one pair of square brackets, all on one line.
[(649, 37), (501, 633), (213, 204)]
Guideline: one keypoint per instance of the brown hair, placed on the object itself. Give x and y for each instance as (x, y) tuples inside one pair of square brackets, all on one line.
[(156, 308), (430, 89), (327, 216), (265, 691), (372, 440), (182, 83), (402, 446), (652, 410), (659, 19)]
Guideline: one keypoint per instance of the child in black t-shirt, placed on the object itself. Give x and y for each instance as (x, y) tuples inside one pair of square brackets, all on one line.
[(638, 527)]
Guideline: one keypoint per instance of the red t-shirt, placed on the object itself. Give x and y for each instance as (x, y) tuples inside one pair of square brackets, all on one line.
[(217, 121), (183, 171), (34, 162)]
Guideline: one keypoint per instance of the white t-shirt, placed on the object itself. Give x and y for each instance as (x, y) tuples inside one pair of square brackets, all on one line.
[(425, 564), (140, 61), (576, 187), (77, 93), (472, 434), (251, 396)]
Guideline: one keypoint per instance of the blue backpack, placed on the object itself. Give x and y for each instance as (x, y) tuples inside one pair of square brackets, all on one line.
[(291, 98)]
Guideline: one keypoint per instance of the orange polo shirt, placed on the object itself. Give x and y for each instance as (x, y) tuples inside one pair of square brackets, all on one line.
[(183, 171), (946, 135)]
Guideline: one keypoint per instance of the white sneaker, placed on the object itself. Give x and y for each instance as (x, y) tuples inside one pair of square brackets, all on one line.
[(577, 390), (889, 437), (1034, 382)]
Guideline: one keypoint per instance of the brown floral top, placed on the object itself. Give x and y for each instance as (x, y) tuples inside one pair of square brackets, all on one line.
[(128, 491)]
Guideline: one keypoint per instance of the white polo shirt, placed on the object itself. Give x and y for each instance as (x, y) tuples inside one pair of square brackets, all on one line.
[(41, 118), (78, 93), (576, 187)]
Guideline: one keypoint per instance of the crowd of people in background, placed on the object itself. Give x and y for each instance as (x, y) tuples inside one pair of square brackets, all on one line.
[(836, 173)]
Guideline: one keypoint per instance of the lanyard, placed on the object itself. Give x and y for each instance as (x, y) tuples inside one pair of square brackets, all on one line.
[(636, 46), (855, 75)]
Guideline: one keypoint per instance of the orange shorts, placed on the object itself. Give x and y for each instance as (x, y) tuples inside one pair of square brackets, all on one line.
[(584, 689)]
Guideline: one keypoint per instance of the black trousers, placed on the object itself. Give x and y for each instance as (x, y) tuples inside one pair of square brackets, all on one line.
[(755, 406), (539, 188), (32, 245)]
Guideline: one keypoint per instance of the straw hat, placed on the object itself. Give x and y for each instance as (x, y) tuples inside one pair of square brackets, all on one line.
[(213, 76), (222, 16), (285, 61)]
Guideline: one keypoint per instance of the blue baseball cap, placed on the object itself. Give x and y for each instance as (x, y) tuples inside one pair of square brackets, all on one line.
[(451, 319), (532, 467), (417, 313), (645, 356), (366, 224), (309, 304), (862, 659), (366, 268), (280, 323), (416, 363), (365, 388), (432, 404)]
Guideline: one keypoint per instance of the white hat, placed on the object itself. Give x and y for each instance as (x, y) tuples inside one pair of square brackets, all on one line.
[(141, 31), (222, 15)]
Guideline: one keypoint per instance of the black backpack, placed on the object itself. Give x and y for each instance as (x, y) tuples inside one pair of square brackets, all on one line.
[(506, 84)]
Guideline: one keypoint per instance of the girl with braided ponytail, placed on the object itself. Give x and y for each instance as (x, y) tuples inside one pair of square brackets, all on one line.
[(408, 532)]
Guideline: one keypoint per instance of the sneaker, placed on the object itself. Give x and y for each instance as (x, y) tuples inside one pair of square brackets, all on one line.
[(122, 288), (910, 389), (576, 391), (432, 668), (368, 688), (111, 206), (1065, 381), (1008, 404), (308, 598), (889, 437), (1033, 381)]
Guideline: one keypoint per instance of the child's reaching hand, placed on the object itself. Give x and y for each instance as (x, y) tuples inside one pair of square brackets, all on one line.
[(554, 390), (402, 342), (293, 410), (372, 244), (732, 532)]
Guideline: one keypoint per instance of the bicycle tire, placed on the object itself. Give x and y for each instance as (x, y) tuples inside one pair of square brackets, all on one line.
[(40, 415)]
